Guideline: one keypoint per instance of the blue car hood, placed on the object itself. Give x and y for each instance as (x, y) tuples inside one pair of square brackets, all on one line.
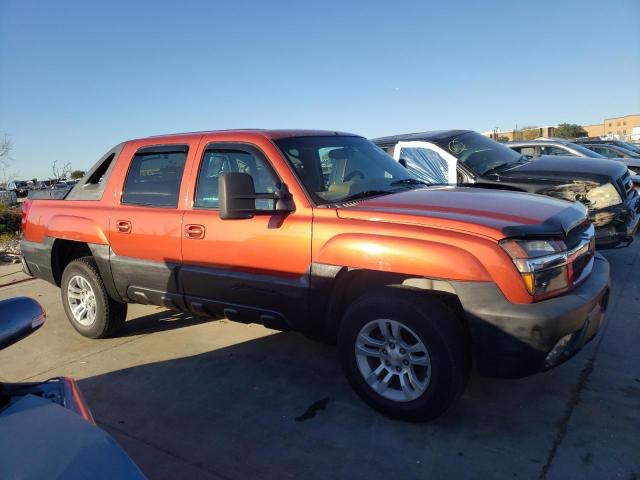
[(40, 439)]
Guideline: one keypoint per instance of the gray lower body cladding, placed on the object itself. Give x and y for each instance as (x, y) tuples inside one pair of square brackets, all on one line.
[(515, 340)]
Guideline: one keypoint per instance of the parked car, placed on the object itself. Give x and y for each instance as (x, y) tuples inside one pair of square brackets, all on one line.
[(465, 157), (324, 233), (539, 148), (8, 198), (45, 184), (626, 156), (21, 188), (618, 143), (536, 148), (46, 428)]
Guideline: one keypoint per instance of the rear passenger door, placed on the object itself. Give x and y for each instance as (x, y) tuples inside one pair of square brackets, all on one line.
[(145, 225)]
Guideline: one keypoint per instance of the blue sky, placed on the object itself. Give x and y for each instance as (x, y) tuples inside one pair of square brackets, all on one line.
[(77, 77)]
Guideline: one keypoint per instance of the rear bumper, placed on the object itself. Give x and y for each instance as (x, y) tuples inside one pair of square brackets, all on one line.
[(516, 340), (616, 226), (36, 259)]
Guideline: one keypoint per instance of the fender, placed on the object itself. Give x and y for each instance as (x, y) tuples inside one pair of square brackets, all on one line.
[(79, 229), (422, 258)]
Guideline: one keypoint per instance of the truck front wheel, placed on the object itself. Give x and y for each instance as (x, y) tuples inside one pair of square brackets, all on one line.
[(404, 354), (86, 302)]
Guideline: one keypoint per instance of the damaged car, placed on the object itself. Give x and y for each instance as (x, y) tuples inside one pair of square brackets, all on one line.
[(465, 157)]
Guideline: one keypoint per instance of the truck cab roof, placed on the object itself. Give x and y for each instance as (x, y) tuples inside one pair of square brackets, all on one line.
[(272, 134)]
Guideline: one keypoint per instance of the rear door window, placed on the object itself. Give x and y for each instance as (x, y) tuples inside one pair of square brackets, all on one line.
[(553, 150), (528, 151), (154, 176)]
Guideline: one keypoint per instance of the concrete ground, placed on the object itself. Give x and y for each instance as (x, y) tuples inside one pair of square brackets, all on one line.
[(188, 398)]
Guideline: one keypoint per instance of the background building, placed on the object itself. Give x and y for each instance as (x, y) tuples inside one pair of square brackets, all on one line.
[(623, 128), (526, 133)]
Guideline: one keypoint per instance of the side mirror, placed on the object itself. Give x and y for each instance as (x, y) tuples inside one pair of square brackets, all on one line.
[(19, 317), (238, 197), (403, 162)]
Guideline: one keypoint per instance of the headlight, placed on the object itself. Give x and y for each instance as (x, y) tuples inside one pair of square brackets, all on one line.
[(547, 267), (541, 263), (603, 196)]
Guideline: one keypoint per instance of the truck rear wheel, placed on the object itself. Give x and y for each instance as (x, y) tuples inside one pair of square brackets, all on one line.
[(404, 354), (86, 302)]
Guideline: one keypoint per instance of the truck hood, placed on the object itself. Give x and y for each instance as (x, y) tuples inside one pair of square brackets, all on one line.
[(492, 213), (563, 168)]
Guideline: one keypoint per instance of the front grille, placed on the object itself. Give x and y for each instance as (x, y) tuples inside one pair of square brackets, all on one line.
[(574, 236), (625, 185), (580, 262), (580, 267)]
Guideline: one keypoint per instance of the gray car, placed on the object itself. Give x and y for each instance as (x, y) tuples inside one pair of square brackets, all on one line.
[(565, 148), (615, 152), (538, 148)]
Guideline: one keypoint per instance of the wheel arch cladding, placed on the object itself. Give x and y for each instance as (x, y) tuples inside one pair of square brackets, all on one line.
[(348, 284), (64, 252)]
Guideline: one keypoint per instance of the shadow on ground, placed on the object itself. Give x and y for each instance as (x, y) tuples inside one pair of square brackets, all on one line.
[(159, 322), (279, 407)]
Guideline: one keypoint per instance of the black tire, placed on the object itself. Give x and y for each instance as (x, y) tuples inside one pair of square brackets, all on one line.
[(110, 314), (436, 326)]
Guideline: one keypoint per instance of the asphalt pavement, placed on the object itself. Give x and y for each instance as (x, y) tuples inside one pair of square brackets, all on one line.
[(191, 398)]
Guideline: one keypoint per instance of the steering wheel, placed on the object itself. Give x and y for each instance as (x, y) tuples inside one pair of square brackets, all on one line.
[(353, 174)]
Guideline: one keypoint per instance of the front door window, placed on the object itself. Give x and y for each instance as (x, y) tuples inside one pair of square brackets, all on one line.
[(427, 162)]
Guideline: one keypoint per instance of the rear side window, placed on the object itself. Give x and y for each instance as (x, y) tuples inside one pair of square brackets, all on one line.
[(528, 151), (92, 185), (552, 150), (154, 176)]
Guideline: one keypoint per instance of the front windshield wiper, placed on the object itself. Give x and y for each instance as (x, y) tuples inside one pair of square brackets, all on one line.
[(409, 181), (501, 166), (366, 194), (520, 160)]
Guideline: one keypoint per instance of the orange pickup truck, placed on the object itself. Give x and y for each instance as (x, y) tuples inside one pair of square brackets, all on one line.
[(324, 233)]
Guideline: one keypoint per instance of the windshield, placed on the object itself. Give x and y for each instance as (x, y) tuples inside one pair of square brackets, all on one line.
[(477, 152), (340, 168)]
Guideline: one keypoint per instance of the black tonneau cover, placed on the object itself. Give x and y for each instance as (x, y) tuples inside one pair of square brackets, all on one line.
[(56, 194)]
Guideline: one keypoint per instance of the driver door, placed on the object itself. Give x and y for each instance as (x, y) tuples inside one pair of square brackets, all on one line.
[(427, 161), (254, 269)]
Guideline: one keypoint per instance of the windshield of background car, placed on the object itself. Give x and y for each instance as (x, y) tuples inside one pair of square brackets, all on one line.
[(334, 168), (477, 152)]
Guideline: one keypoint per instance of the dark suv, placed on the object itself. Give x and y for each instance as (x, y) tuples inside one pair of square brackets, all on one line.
[(465, 157)]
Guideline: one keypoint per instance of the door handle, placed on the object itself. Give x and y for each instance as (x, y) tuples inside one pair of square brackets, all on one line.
[(195, 232), (123, 226)]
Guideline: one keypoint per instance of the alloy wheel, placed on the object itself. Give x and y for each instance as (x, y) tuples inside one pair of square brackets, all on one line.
[(82, 300), (393, 360)]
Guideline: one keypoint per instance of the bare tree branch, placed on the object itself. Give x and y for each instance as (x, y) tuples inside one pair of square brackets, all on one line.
[(6, 145)]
